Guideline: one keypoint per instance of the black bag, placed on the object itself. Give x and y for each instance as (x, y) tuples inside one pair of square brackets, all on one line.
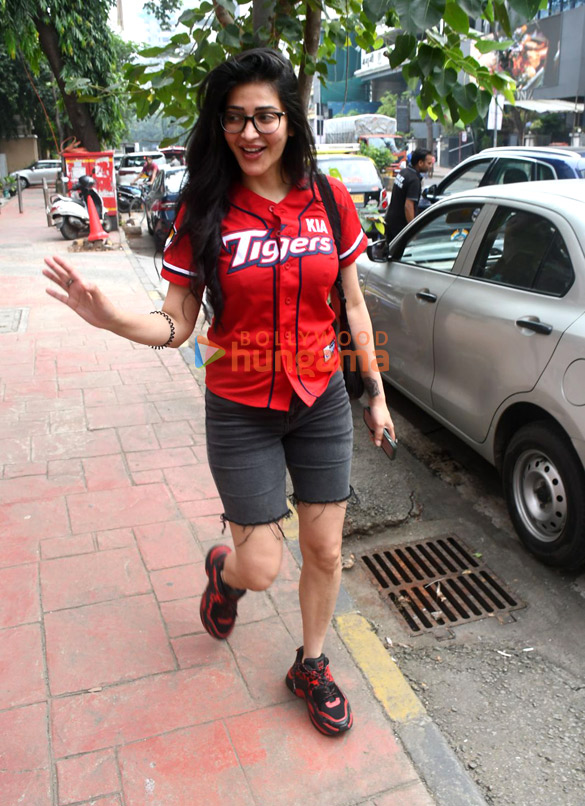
[(354, 383)]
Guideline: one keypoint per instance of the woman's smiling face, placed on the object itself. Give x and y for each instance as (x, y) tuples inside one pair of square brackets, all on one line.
[(259, 155)]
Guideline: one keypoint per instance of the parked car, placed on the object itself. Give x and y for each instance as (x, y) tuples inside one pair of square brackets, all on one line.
[(357, 172), (131, 164), (506, 165), (482, 298), (161, 202), (39, 170)]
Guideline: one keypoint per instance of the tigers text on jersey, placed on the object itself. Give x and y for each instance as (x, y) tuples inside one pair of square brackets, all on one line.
[(277, 266)]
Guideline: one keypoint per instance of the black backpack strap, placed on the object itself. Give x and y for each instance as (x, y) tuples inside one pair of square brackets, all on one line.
[(335, 221)]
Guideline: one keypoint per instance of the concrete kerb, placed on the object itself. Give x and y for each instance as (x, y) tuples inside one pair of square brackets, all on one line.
[(436, 763), (433, 759)]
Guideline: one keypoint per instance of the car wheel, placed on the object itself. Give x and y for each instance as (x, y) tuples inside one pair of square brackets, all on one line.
[(24, 183), (544, 487)]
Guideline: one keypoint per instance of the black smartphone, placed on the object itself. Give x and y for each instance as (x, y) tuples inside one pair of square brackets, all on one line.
[(389, 445)]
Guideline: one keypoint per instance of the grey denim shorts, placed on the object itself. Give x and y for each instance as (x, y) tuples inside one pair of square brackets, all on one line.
[(249, 450)]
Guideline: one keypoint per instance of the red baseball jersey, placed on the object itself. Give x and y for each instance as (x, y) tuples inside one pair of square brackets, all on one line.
[(276, 267)]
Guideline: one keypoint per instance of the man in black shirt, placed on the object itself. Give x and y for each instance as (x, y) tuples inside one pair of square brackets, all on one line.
[(406, 192)]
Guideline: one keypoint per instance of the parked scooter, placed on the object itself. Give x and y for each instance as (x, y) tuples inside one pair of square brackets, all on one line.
[(70, 214)]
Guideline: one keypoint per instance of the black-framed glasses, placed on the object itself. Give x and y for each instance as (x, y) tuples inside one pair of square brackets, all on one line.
[(263, 122)]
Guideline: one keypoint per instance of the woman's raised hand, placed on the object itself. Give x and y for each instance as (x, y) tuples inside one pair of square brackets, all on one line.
[(84, 298)]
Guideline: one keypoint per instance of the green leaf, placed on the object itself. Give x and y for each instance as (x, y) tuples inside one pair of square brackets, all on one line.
[(501, 15), (417, 15), (429, 59), (375, 10), (428, 94), (161, 79), (445, 80), (465, 95), (468, 115), (453, 108), (489, 45), (149, 53), (229, 36), (456, 17), (190, 16), (410, 73), (181, 39), (527, 9), (473, 8), (404, 48)]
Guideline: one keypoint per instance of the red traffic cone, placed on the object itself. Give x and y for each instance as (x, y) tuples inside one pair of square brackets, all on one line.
[(96, 231)]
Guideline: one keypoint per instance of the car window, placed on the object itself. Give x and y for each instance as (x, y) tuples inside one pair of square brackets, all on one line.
[(174, 180), (526, 251), (351, 172), (436, 243), (507, 171), (468, 179), (544, 171)]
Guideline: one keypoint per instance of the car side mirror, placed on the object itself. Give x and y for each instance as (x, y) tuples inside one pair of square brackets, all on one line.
[(430, 191), (378, 251)]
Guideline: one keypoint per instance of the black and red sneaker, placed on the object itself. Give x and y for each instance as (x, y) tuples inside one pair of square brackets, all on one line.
[(328, 707), (219, 603)]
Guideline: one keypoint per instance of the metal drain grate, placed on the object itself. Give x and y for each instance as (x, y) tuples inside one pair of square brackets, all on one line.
[(437, 583)]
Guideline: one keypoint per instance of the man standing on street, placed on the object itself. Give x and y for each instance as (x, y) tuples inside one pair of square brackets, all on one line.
[(406, 192)]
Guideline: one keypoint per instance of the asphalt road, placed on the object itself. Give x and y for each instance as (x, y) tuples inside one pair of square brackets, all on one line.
[(508, 692)]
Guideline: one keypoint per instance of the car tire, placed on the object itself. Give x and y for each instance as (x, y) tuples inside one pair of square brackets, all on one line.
[(24, 183), (543, 485)]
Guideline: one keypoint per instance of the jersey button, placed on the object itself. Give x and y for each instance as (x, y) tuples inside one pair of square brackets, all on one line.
[(271, 208), (288, 300)]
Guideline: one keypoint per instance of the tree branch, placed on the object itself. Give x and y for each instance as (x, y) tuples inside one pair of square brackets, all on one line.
[(223, 16)]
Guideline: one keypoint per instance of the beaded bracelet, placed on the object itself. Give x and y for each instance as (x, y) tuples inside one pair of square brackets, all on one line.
[(171, 337)]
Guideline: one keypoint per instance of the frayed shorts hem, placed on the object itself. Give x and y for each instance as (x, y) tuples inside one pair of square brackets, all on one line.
[(225, 520)]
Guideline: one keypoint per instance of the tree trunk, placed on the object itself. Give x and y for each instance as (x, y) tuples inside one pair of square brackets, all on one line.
[(429, 122), (80, 119), (312, 34), (262, 15)]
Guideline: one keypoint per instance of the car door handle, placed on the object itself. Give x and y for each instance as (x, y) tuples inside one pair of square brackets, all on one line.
[(536, 326), (426, 295)]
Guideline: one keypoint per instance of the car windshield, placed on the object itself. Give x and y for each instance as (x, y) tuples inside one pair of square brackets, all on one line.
[(351, 172), (174, 180), (133, 161)]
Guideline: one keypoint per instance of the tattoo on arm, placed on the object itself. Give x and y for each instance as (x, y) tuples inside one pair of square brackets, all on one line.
[(371, 387)]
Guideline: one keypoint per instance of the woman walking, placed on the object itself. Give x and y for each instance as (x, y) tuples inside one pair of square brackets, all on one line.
[(252, 232)]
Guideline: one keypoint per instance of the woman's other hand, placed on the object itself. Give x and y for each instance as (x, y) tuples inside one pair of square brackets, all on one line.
[(84, 298)]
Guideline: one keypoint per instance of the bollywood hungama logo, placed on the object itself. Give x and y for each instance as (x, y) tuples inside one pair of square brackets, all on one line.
[(206, 352)]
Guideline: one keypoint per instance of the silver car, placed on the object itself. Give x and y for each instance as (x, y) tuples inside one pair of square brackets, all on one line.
[(39, 170), (482, 298)]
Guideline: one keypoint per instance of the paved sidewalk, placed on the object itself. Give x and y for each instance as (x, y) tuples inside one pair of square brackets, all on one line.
[(110, 691)]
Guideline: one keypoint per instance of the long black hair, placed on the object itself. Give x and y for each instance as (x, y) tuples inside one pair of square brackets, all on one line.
[(213, 168)]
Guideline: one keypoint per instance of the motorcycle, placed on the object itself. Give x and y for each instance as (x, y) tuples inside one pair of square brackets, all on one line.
[(129, 198), (70, 214)]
